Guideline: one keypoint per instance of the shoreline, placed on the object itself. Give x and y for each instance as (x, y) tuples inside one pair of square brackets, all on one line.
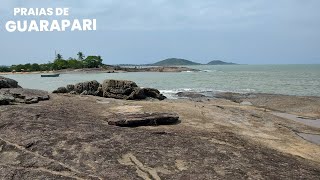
[(109, 70)]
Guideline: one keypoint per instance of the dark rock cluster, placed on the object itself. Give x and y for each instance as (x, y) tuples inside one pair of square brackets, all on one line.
[(84, 88), (118, 89), (8, 83), (128, 90)]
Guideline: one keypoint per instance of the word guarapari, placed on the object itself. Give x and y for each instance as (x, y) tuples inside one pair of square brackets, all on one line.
[(43, 25)]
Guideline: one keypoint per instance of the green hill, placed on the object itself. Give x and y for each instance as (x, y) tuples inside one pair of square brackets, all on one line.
[(218, 62), (175, 62)]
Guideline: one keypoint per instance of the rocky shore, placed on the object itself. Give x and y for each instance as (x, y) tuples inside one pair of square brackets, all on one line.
[(12, 93), (78, 136), (118, 89)]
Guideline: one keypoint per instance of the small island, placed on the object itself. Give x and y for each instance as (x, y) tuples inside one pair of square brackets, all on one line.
[(219, 62), (175, 62), (180, 62), (185, 62)]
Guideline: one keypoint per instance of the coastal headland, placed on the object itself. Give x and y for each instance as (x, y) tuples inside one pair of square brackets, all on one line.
[(233, 136)]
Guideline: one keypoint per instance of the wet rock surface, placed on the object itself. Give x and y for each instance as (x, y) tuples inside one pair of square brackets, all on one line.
[(235, 97), (19, 95), (143, 119), (192, 95), (299, 105)]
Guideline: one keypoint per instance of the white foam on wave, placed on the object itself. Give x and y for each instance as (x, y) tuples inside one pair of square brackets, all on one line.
[(236, 91), (208, 70), (248, 90), (171, 93)]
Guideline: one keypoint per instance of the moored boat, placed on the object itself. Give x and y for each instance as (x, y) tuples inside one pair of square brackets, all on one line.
[(50, 75)]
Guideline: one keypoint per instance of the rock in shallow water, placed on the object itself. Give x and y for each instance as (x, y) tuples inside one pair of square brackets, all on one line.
[(118, 89), (129, 90), (154, 93), (144, 119)]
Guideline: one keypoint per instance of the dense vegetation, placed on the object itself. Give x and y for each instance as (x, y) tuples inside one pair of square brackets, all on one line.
[(58, 64)]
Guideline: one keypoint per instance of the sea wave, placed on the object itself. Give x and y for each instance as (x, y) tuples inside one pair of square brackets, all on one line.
[(209, 70), (187, 71), (172, 93)]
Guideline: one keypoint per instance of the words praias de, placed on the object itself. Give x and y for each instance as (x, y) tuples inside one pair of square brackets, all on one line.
[(46, 25)]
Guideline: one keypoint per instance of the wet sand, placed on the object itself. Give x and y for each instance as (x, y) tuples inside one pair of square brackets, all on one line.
[(311, 137), (305, 120)]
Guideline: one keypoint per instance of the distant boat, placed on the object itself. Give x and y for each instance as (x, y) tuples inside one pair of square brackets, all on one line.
[(50, 75)]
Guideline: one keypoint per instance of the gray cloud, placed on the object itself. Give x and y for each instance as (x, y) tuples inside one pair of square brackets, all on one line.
[(246, 31)]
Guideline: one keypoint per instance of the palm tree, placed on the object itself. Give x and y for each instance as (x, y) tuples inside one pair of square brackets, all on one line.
[(58, 57), (80, 56)]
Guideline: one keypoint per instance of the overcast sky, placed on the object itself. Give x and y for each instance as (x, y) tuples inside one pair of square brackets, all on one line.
[(145, 31)]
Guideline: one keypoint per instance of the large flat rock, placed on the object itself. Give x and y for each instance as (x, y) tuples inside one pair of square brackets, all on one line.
[(20, 95), (68, 138), (144, 119)]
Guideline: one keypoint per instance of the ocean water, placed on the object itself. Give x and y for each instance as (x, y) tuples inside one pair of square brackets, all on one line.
[(277, 79)]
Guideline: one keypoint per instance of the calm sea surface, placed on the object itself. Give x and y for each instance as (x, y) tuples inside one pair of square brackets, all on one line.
[(279, 79)]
